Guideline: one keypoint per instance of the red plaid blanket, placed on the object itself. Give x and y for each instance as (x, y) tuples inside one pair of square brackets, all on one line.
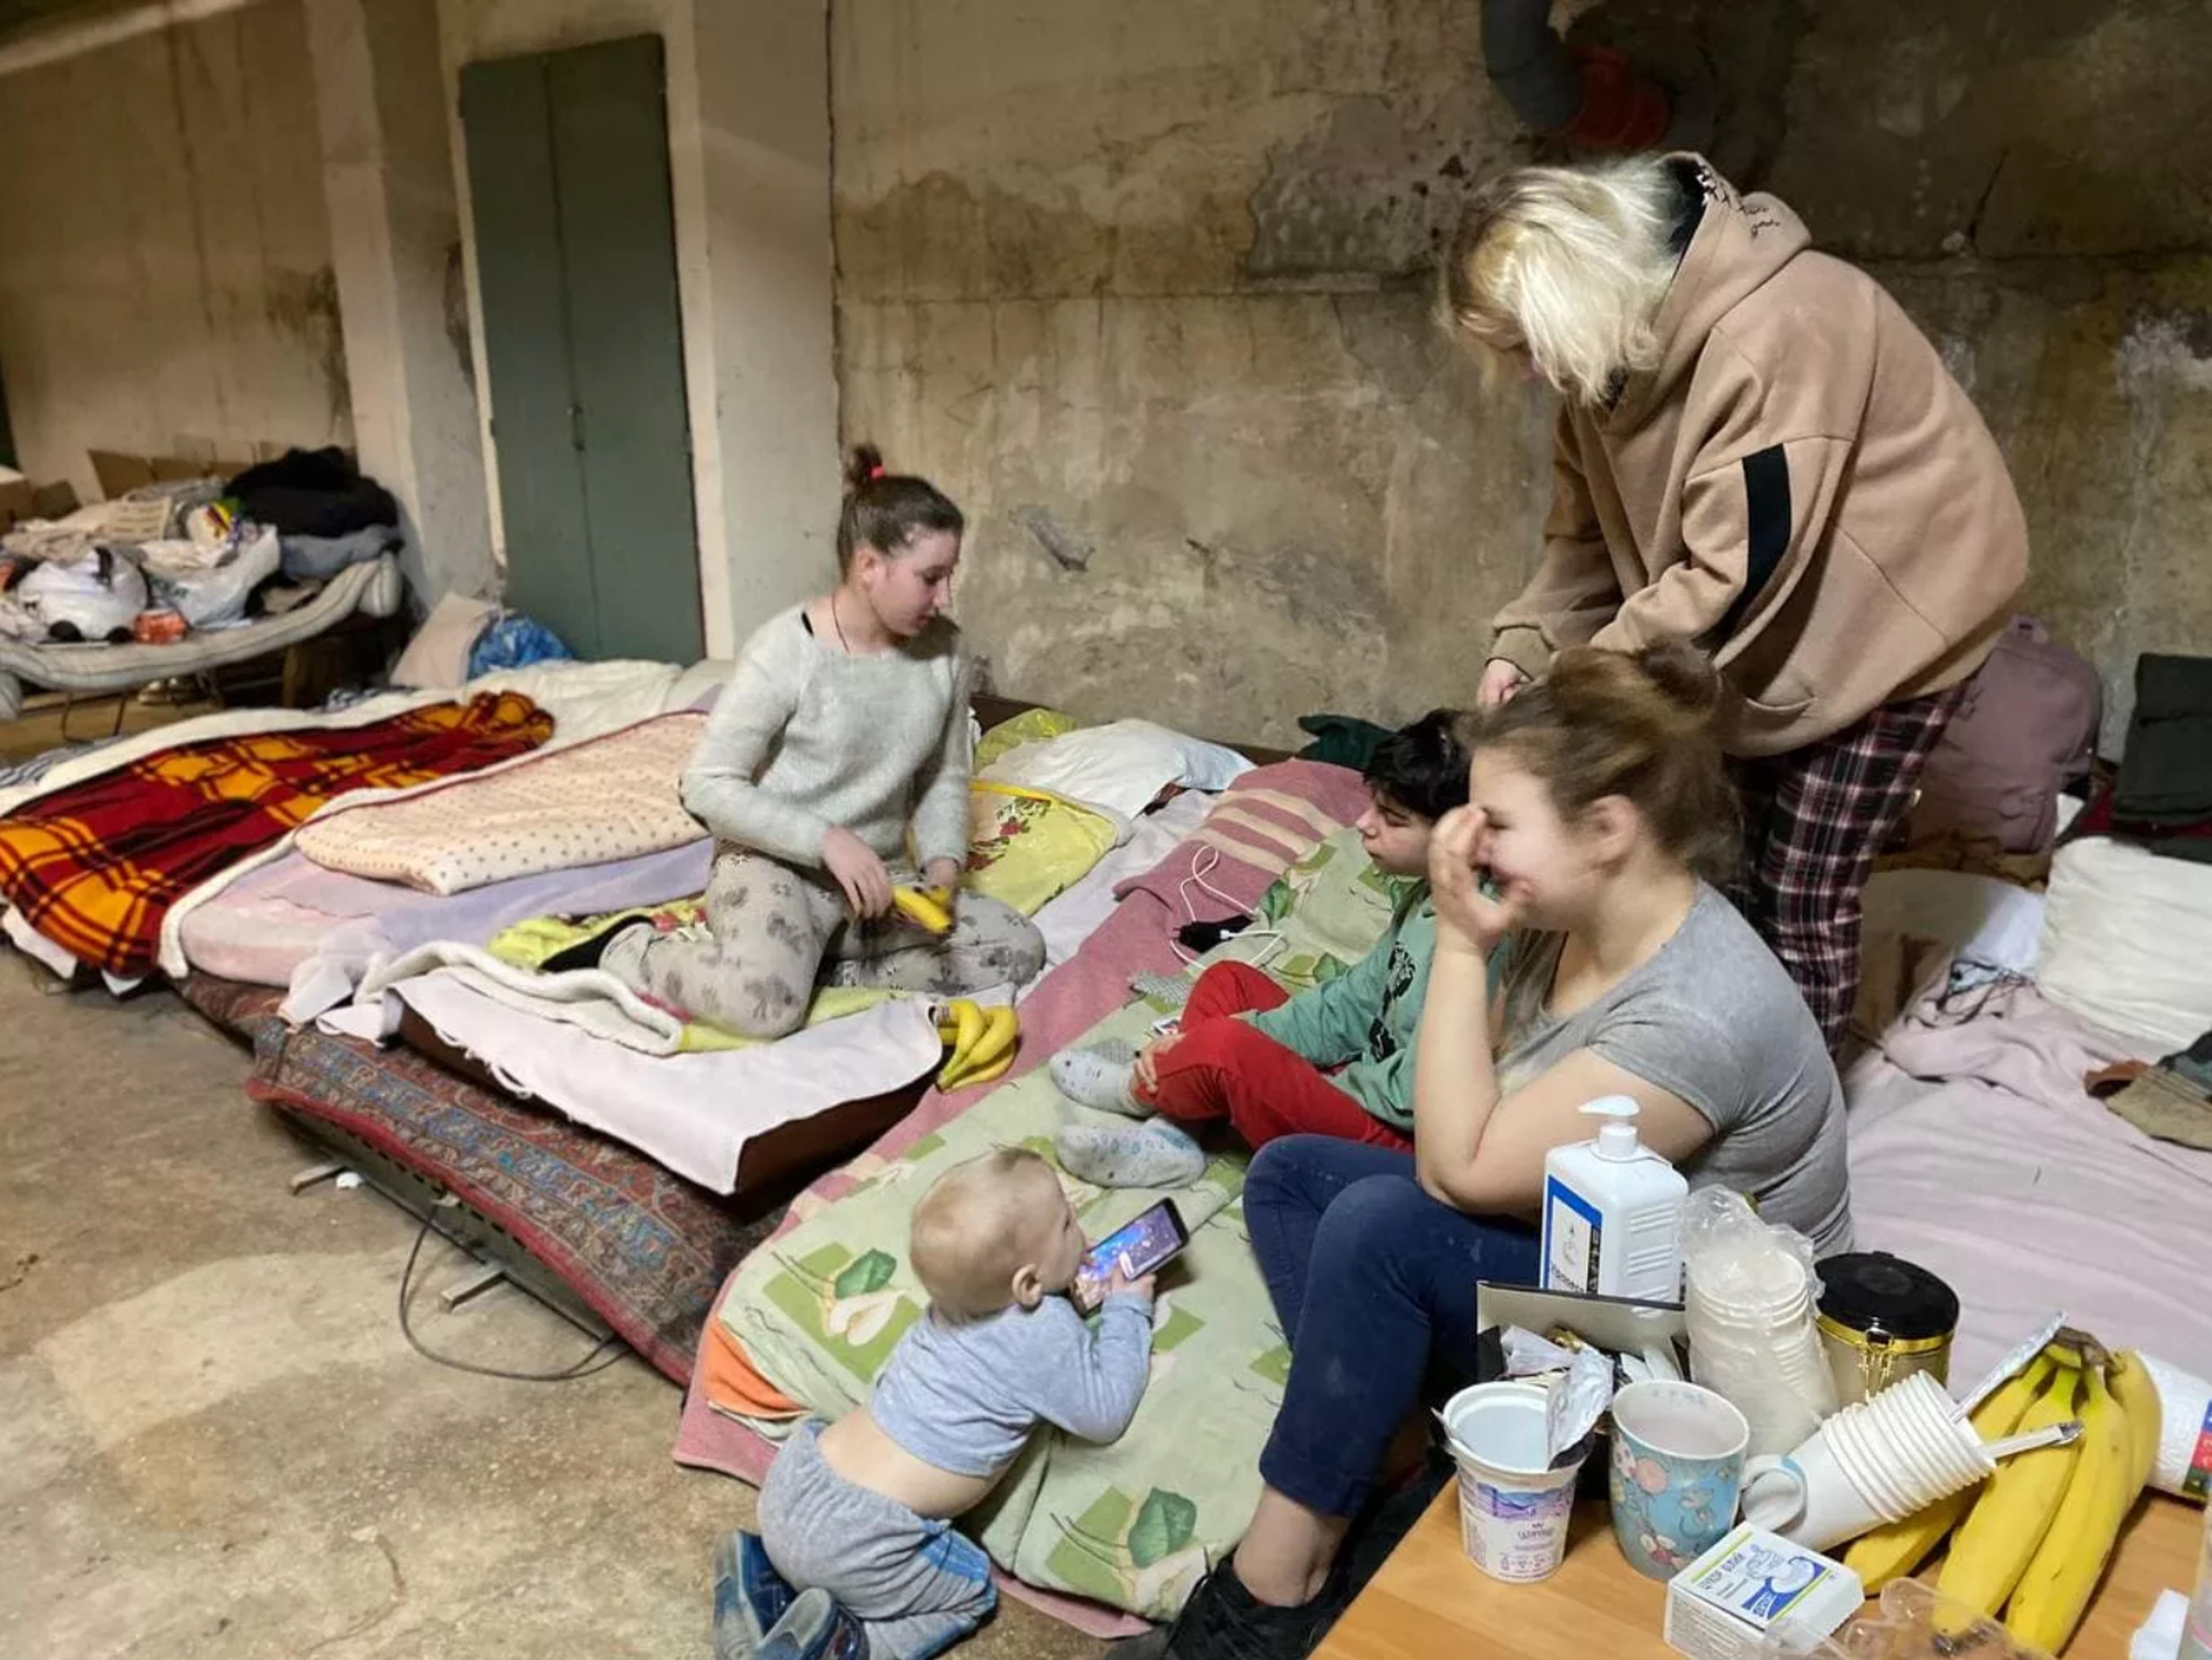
[(95, 866)]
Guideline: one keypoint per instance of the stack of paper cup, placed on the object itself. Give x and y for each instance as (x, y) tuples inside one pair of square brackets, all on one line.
[(1513, 1506), (1881, 1460), (1754, 1338)]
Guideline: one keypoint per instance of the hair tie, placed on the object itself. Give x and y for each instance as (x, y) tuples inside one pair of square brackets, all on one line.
[(875, 473)]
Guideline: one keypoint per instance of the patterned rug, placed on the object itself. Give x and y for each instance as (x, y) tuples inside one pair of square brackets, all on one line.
[(645, 1249)]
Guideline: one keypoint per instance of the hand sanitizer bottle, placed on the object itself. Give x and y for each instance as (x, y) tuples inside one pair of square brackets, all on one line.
[(1612, 1213)]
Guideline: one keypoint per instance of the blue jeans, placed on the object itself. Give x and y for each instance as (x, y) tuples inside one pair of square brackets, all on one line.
[(1373, 1282)]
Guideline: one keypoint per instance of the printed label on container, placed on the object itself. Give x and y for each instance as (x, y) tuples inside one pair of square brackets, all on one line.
[(1573, 1235), (1759, 1582), (1512, 1535)]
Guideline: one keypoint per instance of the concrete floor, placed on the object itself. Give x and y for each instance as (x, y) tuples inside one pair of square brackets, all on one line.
[(214, 1440)]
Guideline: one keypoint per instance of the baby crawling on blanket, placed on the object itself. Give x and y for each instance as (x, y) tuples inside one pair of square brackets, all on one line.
[(857, 1555)]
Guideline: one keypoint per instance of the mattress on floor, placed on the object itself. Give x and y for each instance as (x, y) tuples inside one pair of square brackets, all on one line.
[(1976, 1152), (1251, 835), (644, 1248)]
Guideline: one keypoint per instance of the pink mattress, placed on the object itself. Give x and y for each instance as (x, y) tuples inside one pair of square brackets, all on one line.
[(1976, 1154)]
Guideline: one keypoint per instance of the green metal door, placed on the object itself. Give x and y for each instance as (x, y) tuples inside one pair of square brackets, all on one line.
[(567, 158)]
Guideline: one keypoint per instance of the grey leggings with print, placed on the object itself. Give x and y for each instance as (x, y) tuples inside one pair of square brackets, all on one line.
[(778, 931)]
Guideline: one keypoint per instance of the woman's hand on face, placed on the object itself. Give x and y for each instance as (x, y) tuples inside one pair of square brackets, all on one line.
[(858, 870), (1468, 919), (1500, 680)]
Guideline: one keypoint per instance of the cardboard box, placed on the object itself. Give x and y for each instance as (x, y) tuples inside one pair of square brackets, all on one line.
[(1723, 1604), (22, 500), (1617, 1324)]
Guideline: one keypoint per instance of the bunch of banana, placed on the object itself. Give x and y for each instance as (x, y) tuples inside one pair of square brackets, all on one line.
[(928, 908), (2034, 1538), (982, 1041)]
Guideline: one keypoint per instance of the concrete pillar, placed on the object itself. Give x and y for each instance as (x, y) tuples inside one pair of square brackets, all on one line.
[(395, 242), (765, 116)]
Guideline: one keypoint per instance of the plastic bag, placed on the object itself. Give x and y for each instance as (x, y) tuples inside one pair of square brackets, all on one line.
[(512, 641), (1750, 1308), (1902, 1626), (92, 599), (216, 598)]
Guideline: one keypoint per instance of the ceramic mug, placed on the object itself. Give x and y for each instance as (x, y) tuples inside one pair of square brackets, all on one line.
[(1675, 1472)]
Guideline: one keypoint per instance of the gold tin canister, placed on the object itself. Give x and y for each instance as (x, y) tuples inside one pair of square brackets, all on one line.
[(1882, 1319)]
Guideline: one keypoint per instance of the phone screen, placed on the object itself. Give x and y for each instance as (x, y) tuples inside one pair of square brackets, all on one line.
[(1143, 1244)]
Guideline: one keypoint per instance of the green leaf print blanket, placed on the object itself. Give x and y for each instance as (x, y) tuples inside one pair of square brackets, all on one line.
[(1133, 1525)]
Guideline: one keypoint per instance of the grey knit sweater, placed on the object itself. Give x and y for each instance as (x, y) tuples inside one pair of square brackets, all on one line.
[(805, 737)]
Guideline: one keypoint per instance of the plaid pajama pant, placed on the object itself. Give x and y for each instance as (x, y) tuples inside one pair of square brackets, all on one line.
[(1813, 820)]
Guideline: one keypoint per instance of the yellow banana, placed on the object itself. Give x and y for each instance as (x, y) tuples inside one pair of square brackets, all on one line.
[(1992, 1547), (996, 1039), (1895, 1548), (2132, 1387), (963, 1028), (991, 1074), (968, 1021), (2055, 1589), (921, 909)]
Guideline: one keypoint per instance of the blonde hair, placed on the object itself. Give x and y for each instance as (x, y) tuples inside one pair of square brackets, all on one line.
[(1571, 263), (976, 1227)]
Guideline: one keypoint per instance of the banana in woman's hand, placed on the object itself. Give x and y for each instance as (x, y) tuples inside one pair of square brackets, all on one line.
[(923, 907)]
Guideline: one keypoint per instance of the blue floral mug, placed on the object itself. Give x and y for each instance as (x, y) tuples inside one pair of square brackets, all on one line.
[(1675, 1473)]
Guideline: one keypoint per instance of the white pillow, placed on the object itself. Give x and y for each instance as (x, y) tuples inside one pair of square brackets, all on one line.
[(1121, 766), (1978, 918), (2123, 933), (437, 657)]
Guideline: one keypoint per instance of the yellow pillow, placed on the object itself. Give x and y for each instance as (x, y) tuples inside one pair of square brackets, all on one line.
[(1029, 726)]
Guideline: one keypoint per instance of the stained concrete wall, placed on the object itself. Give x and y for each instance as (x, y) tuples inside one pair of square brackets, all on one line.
[(1147, 287), (395, 225), (750, 173), (165, 255)]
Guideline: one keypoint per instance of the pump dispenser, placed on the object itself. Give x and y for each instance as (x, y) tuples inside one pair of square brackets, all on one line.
[(1612, 1213)]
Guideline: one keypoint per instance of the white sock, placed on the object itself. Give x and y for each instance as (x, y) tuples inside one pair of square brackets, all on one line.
[(1154, 1154), (1099, 1078)]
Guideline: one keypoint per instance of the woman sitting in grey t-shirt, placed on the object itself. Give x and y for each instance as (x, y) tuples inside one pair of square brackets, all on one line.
[(1596, 799), (835, 765)]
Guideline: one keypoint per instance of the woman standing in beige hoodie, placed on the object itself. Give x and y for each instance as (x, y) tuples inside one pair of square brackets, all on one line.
[(1757, 452)]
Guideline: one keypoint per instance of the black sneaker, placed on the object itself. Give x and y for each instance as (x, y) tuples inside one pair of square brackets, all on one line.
[(1223, 1621)]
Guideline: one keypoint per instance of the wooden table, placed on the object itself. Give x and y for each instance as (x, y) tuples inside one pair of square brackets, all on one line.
[(1428, 1600)]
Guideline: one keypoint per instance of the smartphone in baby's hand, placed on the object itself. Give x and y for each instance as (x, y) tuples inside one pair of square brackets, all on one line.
[(1140, 1248)]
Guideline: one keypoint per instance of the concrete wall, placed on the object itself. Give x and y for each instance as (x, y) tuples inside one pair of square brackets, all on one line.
[(165, 254), (1147, 287), (395, 224), (748, 166)]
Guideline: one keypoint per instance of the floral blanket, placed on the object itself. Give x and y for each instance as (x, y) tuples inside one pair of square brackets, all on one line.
[(1133, 1525)]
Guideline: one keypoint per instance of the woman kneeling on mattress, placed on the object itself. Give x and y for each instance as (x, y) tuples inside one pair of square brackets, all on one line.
[(1597, 809), (845, 728)]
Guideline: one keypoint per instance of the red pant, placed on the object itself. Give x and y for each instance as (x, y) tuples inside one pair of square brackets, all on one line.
[(1222, 1068)]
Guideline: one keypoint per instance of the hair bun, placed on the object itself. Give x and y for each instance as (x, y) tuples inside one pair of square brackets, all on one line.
[(864, 466), (1669, 689), (1685, 676)]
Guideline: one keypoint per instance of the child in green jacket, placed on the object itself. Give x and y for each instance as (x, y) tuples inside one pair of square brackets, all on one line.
[(1334, 1061)]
